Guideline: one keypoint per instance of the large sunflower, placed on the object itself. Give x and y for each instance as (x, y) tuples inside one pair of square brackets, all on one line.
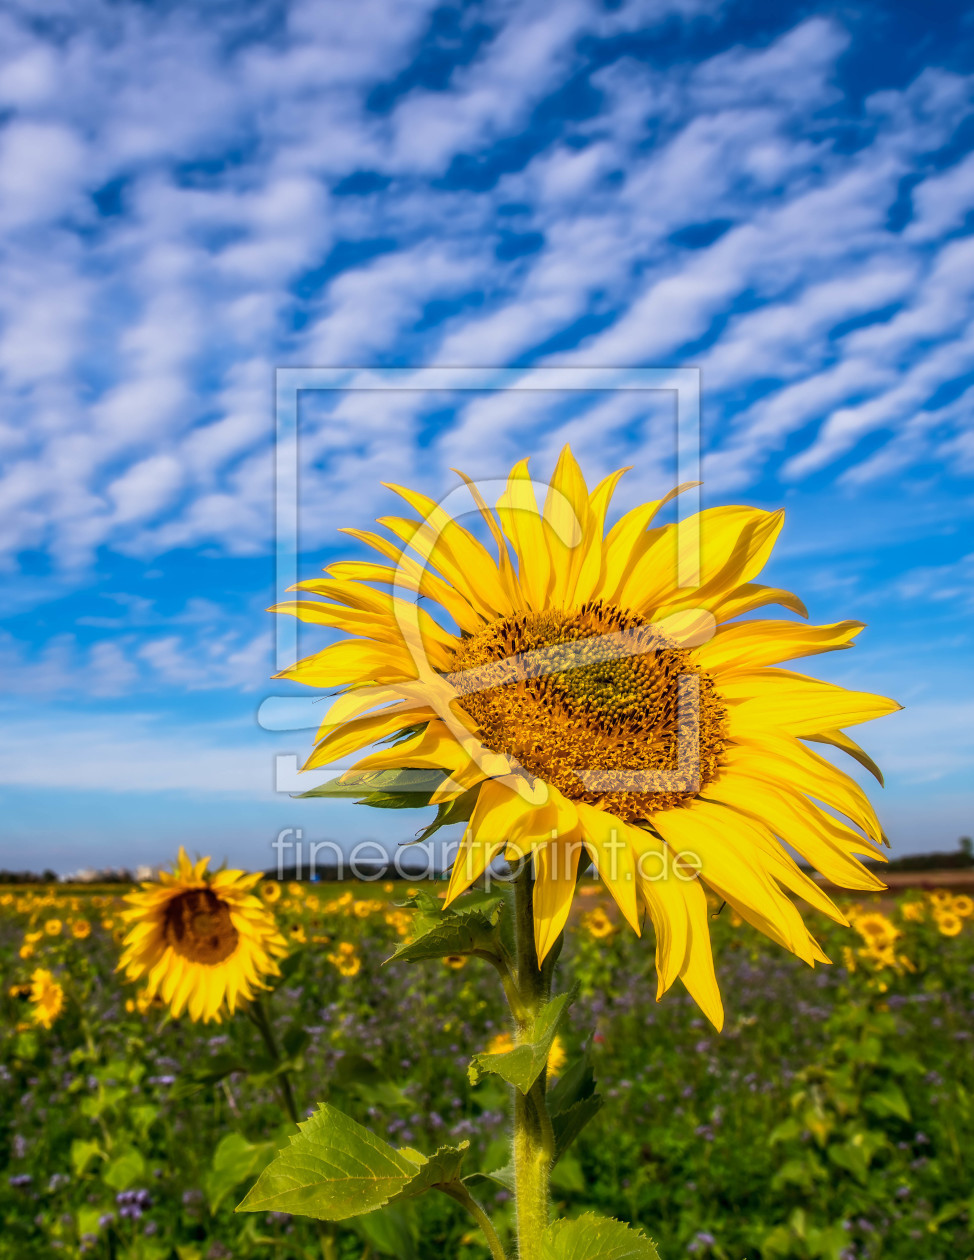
[(201, 939), (589, 702)]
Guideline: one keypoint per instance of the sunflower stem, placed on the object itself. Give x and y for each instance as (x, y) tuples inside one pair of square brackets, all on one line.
[(533, 1138), (258, 1012)]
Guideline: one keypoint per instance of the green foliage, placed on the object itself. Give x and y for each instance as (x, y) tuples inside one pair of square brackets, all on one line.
[(335, 1168), (468, 926), (522, 1066), (235, 1160), (382, 789), (592, 1236), (832, 1116), (572, 1103)]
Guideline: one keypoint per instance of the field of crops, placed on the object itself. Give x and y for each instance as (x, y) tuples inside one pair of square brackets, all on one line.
[(832, 1118)]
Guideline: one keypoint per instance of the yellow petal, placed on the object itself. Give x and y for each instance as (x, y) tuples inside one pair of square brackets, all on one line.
[(782, 759), (824, 842), (728, 858), (352, 736), (746, 598), (666, 899), (607, 841), (734, 545), (697, 969), (414, 576), (749, 644), (517, 509), (796, 703), (555, 873), (501, 814), (839, 739), (451, 549), (589, 569), (567, 526), (352, 661)]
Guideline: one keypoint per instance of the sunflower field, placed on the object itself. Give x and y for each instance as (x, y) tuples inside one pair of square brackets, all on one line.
[(831, 1118)]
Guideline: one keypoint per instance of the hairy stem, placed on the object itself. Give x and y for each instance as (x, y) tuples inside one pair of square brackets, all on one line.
[(533, 1142), (459, 1192)]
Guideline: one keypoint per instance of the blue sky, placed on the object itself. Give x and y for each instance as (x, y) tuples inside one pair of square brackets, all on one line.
[(192, 196)]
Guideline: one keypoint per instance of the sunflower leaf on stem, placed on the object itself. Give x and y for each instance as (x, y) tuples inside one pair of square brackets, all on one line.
[(523, 1065), (592, 1235)]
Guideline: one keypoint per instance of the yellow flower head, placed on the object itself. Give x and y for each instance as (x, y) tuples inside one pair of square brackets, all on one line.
[(295, 889), (597, 923), (53, 927), (963, 906), (47, 997), (913, 911), (270, 890), (345, 959), (876, 929), (595, 695), (949, 924), (80, 929), (201, 940), (455, 961)]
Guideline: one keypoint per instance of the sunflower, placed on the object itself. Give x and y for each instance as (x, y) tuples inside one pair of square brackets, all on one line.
[(963, 906), (949, 924), (597, 923), (80, 929), (201, 939), (876, 929), (346, 959), (589, 700), (47, 997)]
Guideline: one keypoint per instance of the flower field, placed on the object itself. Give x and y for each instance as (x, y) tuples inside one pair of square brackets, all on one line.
[(832, 1117)]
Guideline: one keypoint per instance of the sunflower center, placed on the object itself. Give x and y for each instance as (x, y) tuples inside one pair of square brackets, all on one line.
[(198, 926), (597, 702)]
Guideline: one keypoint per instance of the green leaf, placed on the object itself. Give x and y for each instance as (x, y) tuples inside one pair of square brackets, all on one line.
[(459, 810), (591, 1237), (412, 788), (234, 1160), (467, 926), (572, 1103), (439, 1169), (83, 1152), (335, 1168), (125, 1170), (522, 1066), (889, 1101), (501, 1177), (390, 1231)]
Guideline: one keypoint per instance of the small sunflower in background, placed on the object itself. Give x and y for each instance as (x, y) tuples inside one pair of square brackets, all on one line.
[(46, 997), (594, 700), (270, 890), (949, 924), (202, 940), (345, 959), (80, 929), (598, 924)]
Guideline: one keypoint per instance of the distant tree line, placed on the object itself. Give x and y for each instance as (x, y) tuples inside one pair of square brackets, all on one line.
[(961, 859)]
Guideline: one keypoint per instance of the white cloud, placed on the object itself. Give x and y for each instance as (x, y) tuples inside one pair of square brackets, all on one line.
[(138, 345)]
